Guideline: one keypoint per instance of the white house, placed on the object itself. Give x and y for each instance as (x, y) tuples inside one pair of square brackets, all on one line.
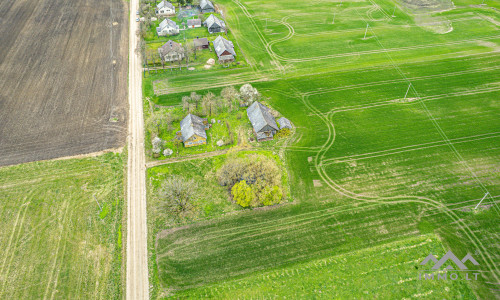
[(171, 51), (165, 8), (167, 27)]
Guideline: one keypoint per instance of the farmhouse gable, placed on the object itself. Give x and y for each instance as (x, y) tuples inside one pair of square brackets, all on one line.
[(263, 123), (206, 6), (165, 8), (167, 27), (224, 49), (193, 130), (214, 24)]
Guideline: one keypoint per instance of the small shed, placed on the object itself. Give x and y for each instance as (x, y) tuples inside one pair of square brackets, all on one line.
[(202, 43), (284, 123), (193, 23)]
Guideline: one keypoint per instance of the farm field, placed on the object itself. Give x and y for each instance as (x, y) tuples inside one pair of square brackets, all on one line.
[(331, 277), (63, 78), (396, 140), (55, 240)]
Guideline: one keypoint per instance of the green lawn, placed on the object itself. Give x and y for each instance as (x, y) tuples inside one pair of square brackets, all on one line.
[(366, 165), (55, 241)]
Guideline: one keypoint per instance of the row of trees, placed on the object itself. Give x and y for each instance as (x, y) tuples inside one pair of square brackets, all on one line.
[(254, 180), (228, 100)]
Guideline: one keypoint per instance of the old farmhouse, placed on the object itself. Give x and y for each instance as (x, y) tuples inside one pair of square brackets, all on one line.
[(201, 43), (165, 8), (193, 130), (263, 123), (167, 27), (206, 6), (224, 49), (193, 23), (215, 24), (171, 51)]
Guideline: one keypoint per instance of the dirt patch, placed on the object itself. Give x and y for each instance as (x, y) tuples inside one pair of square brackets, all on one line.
[(317, 183), (63, 72)]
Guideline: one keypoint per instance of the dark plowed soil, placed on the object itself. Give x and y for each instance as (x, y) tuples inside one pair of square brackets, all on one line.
[(63, 78)]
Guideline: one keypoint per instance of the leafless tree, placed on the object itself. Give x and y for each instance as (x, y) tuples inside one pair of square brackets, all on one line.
[(177, 195)]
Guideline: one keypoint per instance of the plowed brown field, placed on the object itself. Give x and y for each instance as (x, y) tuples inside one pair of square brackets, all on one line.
[(63, 78)]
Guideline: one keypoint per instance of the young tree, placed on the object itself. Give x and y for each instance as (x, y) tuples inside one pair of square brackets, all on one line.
[(196, 99), (177, 195), (208, 104), (157, 121), (249, 94), (177, 144), (157, 145), (185, 103), (229, 94)]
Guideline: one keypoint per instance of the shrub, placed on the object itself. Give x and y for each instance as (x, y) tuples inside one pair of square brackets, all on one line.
[(283, 133), (243, 194)]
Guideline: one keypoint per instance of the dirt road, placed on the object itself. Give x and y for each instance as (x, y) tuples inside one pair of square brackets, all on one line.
[(137, 255)]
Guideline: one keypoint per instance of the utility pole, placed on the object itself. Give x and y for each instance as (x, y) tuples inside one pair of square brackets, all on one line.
[(333, 18), (394, 11), (407, 91), (366, 31)]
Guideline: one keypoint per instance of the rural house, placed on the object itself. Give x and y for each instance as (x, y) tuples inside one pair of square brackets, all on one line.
[(284, 123), (224, 49), (193, 130), (193, 23), (171, 51), (165, 8), (206, 6), (215, 24), (263, 123), (202, 43), (167, 27)]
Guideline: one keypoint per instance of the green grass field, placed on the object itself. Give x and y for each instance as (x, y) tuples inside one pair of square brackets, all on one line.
[(368, 166), (55, 241), (394, 276)]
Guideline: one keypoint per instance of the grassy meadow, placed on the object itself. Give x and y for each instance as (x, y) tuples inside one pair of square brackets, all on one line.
[(396, 139), (55, 240)]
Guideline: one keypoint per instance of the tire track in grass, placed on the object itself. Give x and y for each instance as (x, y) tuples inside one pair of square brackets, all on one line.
[(64, 211), (393, 151), (390, 200), (12, 245)]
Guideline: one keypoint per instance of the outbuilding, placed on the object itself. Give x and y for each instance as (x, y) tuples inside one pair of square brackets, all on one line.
[(263, 123)]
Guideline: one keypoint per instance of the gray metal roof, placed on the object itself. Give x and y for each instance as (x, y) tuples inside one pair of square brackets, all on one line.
[(192, 125), (201, 42), (166, 23), (169, 47), (204, 4), (260, 116), (284, 123), (165, 4), (221, 45), (192, 22), (211, 20)]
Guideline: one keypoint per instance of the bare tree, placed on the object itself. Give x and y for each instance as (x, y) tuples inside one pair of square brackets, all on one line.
[(177, 195)]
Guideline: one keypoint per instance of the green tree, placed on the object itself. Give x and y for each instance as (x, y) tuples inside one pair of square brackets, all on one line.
[(243, 194), (271, 195)]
